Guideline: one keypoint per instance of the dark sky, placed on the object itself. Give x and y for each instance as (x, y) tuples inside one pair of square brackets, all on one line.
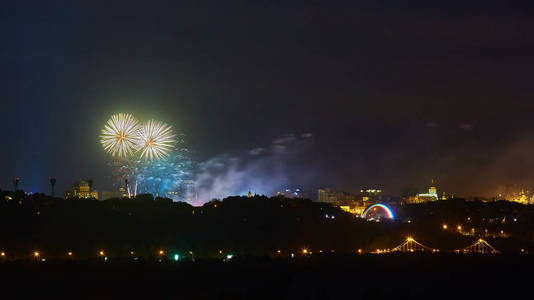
[(392, 93)]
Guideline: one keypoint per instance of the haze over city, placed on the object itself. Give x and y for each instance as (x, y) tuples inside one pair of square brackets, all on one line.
[(388, 95)]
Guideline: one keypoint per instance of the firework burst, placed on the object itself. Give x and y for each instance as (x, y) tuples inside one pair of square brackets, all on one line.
[(120, 135), (155, 140)]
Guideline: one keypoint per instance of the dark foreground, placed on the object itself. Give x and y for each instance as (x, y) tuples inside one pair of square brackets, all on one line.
[(333, 277)]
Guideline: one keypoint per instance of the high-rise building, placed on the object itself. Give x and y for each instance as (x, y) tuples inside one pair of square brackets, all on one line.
[(81, 189)]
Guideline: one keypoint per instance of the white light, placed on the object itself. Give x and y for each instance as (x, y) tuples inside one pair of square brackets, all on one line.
[(155, 140), (229, 256)]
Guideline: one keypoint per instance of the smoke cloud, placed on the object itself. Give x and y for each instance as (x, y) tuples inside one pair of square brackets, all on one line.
[(261, 170)]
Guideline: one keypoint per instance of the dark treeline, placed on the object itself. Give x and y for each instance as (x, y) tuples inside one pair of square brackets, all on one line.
[(257, 226)]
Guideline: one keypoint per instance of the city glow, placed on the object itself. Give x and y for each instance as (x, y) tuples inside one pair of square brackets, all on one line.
[(155, 140), (120, 135)]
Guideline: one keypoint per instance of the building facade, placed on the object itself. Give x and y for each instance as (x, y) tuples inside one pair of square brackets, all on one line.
[(81, 189)]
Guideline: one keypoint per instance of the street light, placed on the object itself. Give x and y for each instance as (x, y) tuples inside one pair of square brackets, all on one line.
[(36, 254)]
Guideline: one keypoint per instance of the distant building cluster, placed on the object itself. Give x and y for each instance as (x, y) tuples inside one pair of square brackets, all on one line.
[(292, 193), (352, 203), (523, 196)]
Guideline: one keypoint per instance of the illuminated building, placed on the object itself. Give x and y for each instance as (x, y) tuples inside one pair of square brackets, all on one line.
[(81, 189), (346, 201), (370, 196), (357, 210), (432, 195)]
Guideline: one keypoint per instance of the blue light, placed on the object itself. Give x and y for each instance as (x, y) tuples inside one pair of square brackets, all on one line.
[(176, 257)]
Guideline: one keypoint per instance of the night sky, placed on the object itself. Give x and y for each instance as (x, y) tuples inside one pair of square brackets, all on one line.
[(373, 94)]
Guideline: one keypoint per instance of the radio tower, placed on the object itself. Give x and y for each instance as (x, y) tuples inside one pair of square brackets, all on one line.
[(53, 184), (16, 183)]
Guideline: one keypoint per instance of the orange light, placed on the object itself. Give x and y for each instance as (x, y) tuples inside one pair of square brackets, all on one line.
[(220, 251), (2, 254), (278, 251), (304, 251), (444, 226), (459, 227), (101, 253), (70, 253), (161, 252), (360, 251), (36, 253)]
